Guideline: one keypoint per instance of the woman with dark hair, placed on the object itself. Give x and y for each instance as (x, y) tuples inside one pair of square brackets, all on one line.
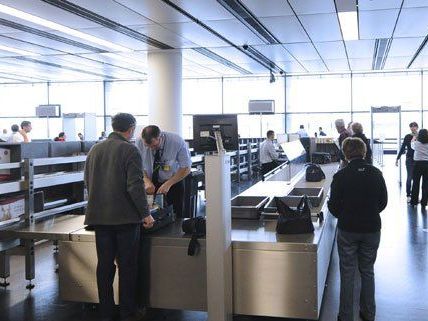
[(420, 146)]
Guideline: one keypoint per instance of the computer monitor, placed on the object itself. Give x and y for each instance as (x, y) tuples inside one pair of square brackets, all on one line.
[(204, 127)]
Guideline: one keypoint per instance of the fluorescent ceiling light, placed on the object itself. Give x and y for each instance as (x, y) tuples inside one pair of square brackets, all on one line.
[(55, 26), (349, 25), (18, 51)]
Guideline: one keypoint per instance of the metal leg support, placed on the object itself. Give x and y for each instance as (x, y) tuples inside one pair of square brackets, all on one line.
[(29, 263), (4, 268)]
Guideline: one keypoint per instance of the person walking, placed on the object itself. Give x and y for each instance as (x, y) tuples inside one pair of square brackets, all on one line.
[(117, 205), (410, 163), (357, 130), (358, 195), (420, 146)]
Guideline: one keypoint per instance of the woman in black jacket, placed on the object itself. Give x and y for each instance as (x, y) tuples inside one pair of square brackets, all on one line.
[(357, 196), (357, 130)]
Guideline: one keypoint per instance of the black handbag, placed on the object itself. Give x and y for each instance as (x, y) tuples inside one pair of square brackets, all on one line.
[(314, 173), (163, 217), (196, 226), (294, 221)]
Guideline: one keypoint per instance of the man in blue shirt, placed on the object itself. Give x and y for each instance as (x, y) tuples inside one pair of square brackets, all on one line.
[(166, 162)]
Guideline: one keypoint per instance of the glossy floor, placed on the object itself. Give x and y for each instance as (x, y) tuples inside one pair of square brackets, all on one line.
[(401, 275)]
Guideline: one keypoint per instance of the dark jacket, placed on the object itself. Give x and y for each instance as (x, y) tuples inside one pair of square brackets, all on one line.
[(114, 179), (406, 148), (357, 196), (343, 134), (369, 154)]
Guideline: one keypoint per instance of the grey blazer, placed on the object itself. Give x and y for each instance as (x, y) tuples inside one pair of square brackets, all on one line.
[(114, 179)]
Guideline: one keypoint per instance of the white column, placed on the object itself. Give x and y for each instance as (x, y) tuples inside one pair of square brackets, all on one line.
[(165, 71), (218, 238)]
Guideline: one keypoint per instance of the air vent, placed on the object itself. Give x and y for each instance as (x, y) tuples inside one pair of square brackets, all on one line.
[(381, 50), (103, 21), (208, 53), (243, 14), (48, 35)]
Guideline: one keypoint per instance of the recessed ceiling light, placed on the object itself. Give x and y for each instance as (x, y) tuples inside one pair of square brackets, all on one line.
[(56, 26), (18, 51), (349, 25)]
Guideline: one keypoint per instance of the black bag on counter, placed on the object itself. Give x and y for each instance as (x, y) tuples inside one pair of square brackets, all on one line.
[(321, 158), (314, 173), (294, 221), (196, 226), (163, 217)]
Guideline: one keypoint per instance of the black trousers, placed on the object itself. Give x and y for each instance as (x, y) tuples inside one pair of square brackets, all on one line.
[(175, 197), (420, 171), (410, 165), (120, 243), (267, 167)]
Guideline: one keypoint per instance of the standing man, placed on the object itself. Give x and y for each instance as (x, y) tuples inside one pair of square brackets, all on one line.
[(321, 132), (268, 155), (410, 163), (117, 206), (358, 195), (166, 162), (302, 132), (25, 129), (343, 134)]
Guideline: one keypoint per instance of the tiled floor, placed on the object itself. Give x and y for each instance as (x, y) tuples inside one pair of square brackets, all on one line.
[(401, 275)]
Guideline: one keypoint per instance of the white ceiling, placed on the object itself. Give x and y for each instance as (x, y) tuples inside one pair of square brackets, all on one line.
[(307, 32)]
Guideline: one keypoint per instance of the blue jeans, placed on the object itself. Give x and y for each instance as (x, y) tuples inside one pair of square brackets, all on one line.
[(357, 249), (120, 243)]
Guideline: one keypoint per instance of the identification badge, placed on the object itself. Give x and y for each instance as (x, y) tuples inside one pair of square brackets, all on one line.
[(166, 168)]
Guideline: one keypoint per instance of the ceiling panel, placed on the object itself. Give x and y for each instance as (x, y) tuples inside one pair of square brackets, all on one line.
[(415, 3), (412, 23), (331, 50), (274, 8), (164, 35), (396, 63), (235, 31), (378, 4), (404, 47), (290, 66), (337, 64), (196, 57), (224, 70), (322, 27), (204, 10), (420, 63), (196, 34), (254, 67), (48, 12), (155, 10), (275, 52), (360, 64), (313, 6), (287, 29), (131, 61), (302, 51), (314, 65), (113, 11), (360, 48), (377, 24), (232, 54)]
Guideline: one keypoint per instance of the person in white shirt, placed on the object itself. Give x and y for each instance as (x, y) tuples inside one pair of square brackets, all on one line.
[(302, 132), (268, 155), (420, 145), (16, 136), (25, 130)]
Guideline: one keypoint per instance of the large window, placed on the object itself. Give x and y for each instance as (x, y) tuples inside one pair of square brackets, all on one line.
[(312, 121), (127, 97), (329, 93), (202, 96), (78, 97), (237, 92), (20, 100), (387, 89)]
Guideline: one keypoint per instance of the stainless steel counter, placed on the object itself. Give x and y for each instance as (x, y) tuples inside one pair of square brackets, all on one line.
[(273, 275)]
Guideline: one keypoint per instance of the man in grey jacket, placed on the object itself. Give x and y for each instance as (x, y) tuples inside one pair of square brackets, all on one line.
[(117, 206)]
